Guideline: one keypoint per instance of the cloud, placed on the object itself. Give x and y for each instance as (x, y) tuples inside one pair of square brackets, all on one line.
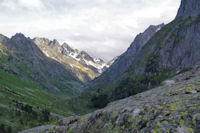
[(8, 4), (22, 4), (31, 4), (103, 28)]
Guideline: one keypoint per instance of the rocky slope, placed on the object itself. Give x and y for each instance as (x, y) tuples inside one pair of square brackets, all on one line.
[(22, 58), (80, 63), (172, 107)]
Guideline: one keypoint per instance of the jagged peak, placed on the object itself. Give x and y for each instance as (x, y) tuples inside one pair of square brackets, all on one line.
[(189, 8), (155, 27), (18, 35), (67, 49), (151, 26), (150, 30), (3, 37), (98, 60), (84, 52), (113, 60), (55, 41), (65, 44)]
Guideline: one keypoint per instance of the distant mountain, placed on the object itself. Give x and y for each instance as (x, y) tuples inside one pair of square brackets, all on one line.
[(80, 63), (21, 57), (96, 64)]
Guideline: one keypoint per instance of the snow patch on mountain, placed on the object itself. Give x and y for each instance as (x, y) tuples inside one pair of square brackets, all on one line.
[(85, 58)]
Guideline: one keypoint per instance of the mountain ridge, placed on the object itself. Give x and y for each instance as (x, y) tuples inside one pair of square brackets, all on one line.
[(87, 66), (26, 61)]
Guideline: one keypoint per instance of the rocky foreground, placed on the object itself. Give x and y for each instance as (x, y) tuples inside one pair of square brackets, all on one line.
[(172, 107)]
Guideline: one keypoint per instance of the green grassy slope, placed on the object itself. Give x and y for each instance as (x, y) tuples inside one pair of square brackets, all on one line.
[(25, 60), (23, 105)]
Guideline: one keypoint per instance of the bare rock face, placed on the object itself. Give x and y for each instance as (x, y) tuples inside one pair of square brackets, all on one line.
[(189, 8), (182, 51), (142, 39), (127, 58)]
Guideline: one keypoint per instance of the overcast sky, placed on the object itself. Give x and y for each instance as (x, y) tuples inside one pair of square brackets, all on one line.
[(103, 28)]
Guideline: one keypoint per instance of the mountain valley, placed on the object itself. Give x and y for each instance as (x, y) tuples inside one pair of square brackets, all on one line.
[(153, 87)]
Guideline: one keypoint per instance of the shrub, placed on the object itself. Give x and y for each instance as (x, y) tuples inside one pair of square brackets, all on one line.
[(45, 114), (128, 87), (99, 101), (2, 128)]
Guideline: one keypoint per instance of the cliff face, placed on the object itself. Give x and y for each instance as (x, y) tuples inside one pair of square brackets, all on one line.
[(127, 58), (189, 8), (142, 39)]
